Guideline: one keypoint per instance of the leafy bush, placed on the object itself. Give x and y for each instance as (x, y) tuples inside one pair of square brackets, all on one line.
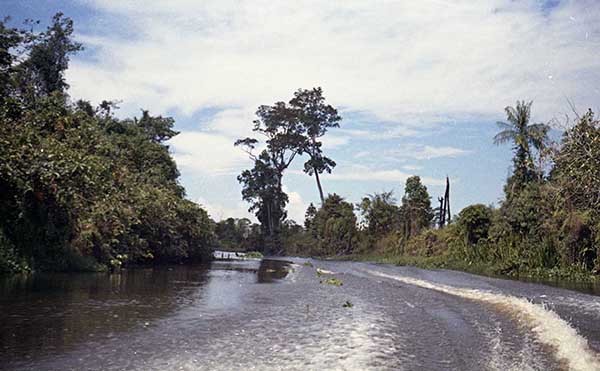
[(474, 223), (10, 262), (79, 188), (335, 226)]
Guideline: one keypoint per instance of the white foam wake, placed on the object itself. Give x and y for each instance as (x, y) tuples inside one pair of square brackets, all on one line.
[(548, 327)]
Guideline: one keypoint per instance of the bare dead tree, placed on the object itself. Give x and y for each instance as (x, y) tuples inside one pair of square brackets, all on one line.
[(441, 213), (447, 199), (444, 209)]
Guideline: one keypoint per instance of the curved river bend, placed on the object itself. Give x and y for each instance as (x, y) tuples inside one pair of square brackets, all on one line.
[(278, 314)]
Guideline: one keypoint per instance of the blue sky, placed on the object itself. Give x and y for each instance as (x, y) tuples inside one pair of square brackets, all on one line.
[(420, 84)]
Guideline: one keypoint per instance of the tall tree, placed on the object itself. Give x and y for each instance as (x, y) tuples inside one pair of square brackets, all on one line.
[(284, 136), (10, 39), (262, 188), (309, 218), (524, 136), (416, 207), (49, 53), (263, 185), (316, 118)]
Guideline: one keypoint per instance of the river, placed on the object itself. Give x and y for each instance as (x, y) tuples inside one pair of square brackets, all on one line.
[(287, 314)]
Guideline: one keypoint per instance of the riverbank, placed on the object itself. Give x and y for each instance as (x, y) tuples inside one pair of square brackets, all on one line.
[(542, 275)]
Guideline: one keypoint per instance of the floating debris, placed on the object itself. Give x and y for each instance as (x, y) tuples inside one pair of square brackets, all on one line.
[(323, 271), (332, 281)]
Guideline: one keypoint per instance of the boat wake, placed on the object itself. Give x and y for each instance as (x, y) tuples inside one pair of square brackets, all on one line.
[(570, 348)]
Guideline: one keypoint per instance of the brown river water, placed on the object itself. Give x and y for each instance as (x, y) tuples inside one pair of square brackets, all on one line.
[(283, 315)]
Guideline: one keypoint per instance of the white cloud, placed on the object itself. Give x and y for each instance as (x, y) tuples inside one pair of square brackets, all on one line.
[(206, 153), (232, 122), (429, 152), (405, 66), (333, 141), (360, 173), (398, 130), (412, 61), (361, 154), (219, 212), (412, 167), (296, 207)]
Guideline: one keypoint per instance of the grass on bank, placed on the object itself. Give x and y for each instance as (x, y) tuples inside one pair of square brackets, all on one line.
[(571, 274)]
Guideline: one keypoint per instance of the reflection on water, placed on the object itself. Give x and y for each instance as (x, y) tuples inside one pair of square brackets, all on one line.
[(236, 315), (272, 270), (47, 314)]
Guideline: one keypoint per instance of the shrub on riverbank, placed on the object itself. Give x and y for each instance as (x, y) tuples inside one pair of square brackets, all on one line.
[(332, 227)]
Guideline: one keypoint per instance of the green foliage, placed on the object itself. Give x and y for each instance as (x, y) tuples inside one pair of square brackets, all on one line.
[(254, 255), (237, 235), (545, 227), (290, 130), (10, 261), (332, 281), (295, 239), (309, 217), (524, 136), (80, 189), (262, 188), (392, 242), (334, 226), (316, 119), (416, 211), (577, 169), (474, 223), (578, 240), (428, 243), (380, 213), (42, 73)]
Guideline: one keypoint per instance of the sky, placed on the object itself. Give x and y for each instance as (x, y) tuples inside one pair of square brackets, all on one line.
[(420, 84)]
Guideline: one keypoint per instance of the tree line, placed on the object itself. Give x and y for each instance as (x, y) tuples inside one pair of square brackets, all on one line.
[(80, 188), (548, 220), (293, 129), (83, 189)]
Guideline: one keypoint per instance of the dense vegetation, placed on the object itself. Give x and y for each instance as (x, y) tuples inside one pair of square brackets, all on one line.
[(547, 224), (83, 189), (80, 188)]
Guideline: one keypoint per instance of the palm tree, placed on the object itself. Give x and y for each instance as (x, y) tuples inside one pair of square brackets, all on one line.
[(524, 136)]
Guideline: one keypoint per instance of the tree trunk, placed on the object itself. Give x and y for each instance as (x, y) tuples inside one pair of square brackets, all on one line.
[(447, 199), (319, 186), (277, 223), (314, 142), (442, 212), (270, 219)]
